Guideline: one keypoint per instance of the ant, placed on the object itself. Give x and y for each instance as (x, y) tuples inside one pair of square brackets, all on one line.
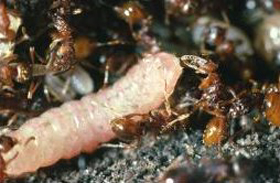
[(62, 54), (9, 25), (133, 126), (8, 31), (139, 22), (217, 170), (219, 100), (11, 68)]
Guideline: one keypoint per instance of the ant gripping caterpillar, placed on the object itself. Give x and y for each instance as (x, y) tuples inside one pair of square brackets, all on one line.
[(80, 126)]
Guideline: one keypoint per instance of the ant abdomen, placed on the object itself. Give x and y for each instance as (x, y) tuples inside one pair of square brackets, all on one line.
[(215, 131), (272, 101)]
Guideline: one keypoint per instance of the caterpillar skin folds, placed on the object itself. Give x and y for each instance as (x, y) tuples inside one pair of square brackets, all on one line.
[(81, 126)]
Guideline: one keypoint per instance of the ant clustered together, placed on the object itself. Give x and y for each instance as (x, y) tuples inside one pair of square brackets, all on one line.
[(63, 50)]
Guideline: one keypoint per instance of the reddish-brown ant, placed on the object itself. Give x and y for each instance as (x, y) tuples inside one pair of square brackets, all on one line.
[(11, 69), (62, 53), (9, 26), (217, 170), (219, 100), (5, 22), (134, 14), (133, 126)]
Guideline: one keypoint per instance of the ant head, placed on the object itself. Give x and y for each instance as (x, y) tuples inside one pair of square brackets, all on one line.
[(199, 64), (132, 12)]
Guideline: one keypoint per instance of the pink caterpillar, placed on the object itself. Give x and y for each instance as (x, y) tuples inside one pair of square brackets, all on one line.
[(80, 126)]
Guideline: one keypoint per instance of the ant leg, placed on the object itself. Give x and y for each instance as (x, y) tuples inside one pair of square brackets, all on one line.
[(232, 92), (200, 105), (173, 122), (106, 76), (66, 86), (247, 125), (4, 130), (22, 38), (215, 113), (12, 119), (237, 134), (32, 89), (108, 145), (53, 48), (33, 54), (9, 58), (47, 93), (121, 145), (257, 118), (111, 43), (166, 101)]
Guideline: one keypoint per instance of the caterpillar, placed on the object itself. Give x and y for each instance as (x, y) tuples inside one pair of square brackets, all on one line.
[(81, 126)]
